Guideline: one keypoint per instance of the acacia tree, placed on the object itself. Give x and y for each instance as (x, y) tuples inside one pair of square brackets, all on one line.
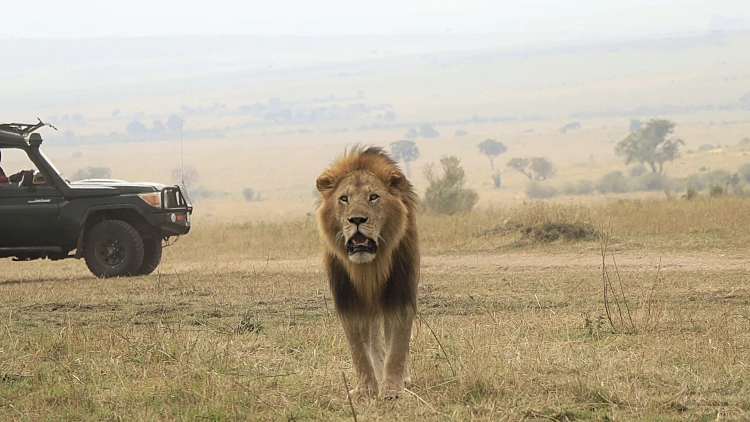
[(650, 145), (491, 148), (406, 151), (534, 168)]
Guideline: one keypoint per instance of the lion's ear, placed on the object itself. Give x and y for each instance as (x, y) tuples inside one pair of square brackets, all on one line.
[(324, 183), (397, 180)]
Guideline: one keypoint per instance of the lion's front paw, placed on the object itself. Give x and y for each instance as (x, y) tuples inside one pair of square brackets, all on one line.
[(365, 389), (392, 390)]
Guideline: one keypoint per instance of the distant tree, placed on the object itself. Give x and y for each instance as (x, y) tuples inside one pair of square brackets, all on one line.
[(69, 134), (174, 123), (191, 175), (521, 165), (389, 116), (115, 113), (744, 172), (427, 131), (274, 104), (411, 134), (157, 126), (461, 132), (446, 194), (745, 101), (570, 126), (406, 151), (136, 128), (534, 168), (491, 148), (92, 173), (542, 168), (250, 195), (257, 109), (497, 180), (635, 125), (650, 145), (637, 170)]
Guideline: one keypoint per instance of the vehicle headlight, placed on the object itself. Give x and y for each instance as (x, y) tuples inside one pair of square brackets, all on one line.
[(152, 198)]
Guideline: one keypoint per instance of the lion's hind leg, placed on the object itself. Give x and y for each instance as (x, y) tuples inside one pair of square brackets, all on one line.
[(358, 332), (398, 334)]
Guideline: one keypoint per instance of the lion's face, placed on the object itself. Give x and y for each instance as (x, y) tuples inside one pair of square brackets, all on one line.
[(367, 215), (362, 209)]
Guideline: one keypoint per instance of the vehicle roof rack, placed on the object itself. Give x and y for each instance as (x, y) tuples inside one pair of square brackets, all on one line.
[(24, 128)]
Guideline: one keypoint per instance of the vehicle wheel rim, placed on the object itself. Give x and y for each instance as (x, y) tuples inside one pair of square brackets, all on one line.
[(111, 251)]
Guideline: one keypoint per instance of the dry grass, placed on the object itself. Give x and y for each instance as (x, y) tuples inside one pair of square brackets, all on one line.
[(238, 325)]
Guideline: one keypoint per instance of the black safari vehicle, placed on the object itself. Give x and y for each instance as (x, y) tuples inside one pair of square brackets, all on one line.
[(117, 227)]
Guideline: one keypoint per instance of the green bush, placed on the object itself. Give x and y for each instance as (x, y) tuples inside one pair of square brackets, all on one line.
[(651, 182), (446, 194), (613, 182), (537, 190), (581, 187)]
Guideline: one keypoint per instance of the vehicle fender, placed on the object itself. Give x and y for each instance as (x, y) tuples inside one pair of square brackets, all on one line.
[(89, 211)]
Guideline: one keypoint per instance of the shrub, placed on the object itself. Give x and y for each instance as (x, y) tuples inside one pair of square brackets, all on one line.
[(637, 170), (716, 190), (552, 231), (613, 182), (92, 173), (202, 192), (581, 187), (717, 177), (652, 182), (744, 172), (250, 195), (706, 147), (536, 190), (461, 132), (691, 193), (446, 194)]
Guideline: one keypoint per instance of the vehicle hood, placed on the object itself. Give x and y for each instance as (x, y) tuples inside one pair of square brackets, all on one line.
[(106, 187)]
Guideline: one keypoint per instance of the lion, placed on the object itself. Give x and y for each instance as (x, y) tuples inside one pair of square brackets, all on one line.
[(367, 221)]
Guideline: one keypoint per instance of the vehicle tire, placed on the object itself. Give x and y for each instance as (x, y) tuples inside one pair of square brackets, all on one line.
[(152, 248), (113, 248)]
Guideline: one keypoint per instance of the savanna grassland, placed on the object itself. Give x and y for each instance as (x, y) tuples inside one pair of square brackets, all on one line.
[(238, 323), (519, 318)]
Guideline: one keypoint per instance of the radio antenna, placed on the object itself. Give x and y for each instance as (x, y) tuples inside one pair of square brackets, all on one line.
[(182, 154)]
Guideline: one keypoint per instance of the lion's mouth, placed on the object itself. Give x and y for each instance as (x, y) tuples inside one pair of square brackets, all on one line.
[(360, 243)]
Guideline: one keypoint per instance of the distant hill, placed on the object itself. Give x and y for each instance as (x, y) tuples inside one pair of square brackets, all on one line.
[(722, 23)]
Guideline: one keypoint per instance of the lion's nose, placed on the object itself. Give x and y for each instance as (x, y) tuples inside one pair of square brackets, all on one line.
[(358, 220)]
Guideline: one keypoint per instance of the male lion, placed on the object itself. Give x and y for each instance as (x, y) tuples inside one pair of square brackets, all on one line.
[(367, 221)]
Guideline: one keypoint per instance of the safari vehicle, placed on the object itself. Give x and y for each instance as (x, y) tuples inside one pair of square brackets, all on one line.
[(116, 227)]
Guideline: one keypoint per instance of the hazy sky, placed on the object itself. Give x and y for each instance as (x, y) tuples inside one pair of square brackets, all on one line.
[(97, 18)]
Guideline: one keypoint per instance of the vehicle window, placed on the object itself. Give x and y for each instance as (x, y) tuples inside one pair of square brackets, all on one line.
[(12, 162)]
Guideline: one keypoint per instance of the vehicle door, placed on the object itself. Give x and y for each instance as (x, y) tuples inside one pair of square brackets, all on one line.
[(30, 209)]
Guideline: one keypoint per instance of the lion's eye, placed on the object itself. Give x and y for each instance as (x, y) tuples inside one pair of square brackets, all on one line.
[(373, 197), (344, 199)]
